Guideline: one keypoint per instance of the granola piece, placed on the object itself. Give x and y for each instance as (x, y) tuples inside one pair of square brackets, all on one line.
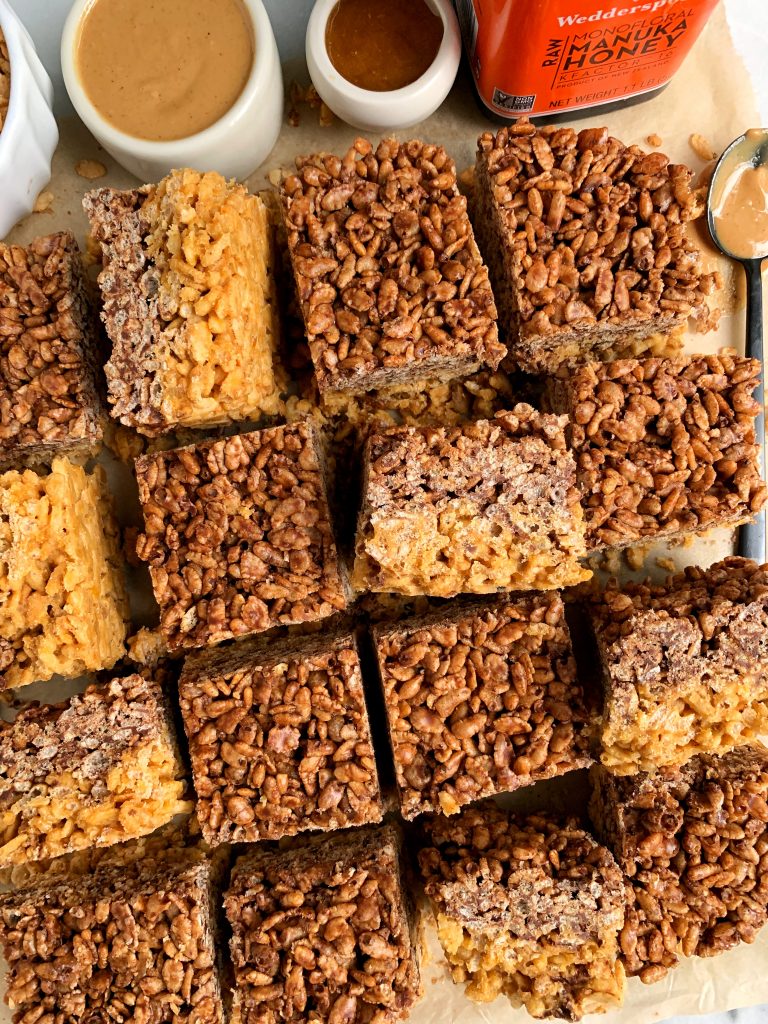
[(63, 606), (693, 844), (481, 699), (476, 508), (5, 79), (279, 739), (526, 907), (238, 536), (323, 932), (391, 284), (49, 401), (125, 942), (663, 446), (586, 243), (189, 302), (96, 770), (684, 665)]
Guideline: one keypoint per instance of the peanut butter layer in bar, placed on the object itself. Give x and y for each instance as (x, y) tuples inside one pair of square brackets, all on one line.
[(684, 665), (476, 508), (49, 401), (586, 243), (324, 932), (238, 536), (526, 907), (63, 607), (481, 698), (121, 943), (279, 739), (189, 302), (663, 446), (101, 768), (694, 846), (391, 285)]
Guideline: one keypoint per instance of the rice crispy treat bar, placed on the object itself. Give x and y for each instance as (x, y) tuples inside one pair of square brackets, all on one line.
[(121, 943), (663, 446), (279, 739), (390, 282), (526, 907), (189, 302), (238, 536), (684, 665), (323, 932), (98, 769), (49, 399), (481, 699), (475, 508), (63, 606), (694, 846), (586, 244)]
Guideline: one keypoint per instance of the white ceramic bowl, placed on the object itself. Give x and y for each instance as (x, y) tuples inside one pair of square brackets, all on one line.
[(234, 145), (29, 136), (383, 111)]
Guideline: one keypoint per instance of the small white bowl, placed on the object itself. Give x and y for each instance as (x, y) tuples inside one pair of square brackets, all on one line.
[(29, 136), (383, 111), (234, 145)]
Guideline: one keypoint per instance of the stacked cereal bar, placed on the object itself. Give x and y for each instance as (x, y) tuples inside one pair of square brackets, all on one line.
[(694, 846), (480, 699), (486, 506), (586, 243), (684, 663), (49, 401), (323, 932), (526, 907), (390, 281), (189, 302)]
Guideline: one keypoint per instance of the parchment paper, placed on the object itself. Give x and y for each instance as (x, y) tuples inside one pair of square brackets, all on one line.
[(712, 96)]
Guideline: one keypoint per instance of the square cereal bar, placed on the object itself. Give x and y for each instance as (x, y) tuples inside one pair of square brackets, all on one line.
[(189, 302), (586, 244), (526, 907), (481, 699), (391, 284), (476, 508), (63, 607), (324, 932), (49, 399), (117, 944), (238, 536), (663, 446), (98, 769), (279, 738), (694, 846), (684, 665)]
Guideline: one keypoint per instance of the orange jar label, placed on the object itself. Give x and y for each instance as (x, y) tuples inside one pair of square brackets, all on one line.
[(537, 57)]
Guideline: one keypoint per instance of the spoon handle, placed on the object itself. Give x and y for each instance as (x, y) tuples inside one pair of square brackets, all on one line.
[(752, 535)]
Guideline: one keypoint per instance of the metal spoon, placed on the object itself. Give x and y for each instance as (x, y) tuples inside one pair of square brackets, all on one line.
[(749, 149)]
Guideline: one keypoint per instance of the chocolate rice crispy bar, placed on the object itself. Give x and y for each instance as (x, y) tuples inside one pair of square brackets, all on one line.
[(324, 932), (693, 844), (237, 535), (663, 446), (586, 244), (96, 770), (391, 284), (474, 508), (189, 302), (684, 665), (481, 698), (49, 398), (279, 738), (527, 907)]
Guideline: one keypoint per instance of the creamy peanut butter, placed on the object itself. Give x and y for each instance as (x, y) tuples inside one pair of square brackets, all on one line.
[(164, 69), (740, 203)]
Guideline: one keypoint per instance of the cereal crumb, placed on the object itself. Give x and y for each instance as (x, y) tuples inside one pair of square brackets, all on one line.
[(90, 169), (654, 140), (701, 147), (635, 557), (44, 202), (327, 116), (667, 563), (274, 176)]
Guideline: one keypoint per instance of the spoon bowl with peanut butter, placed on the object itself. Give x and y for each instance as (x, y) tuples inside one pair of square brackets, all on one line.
[(737, 216)]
